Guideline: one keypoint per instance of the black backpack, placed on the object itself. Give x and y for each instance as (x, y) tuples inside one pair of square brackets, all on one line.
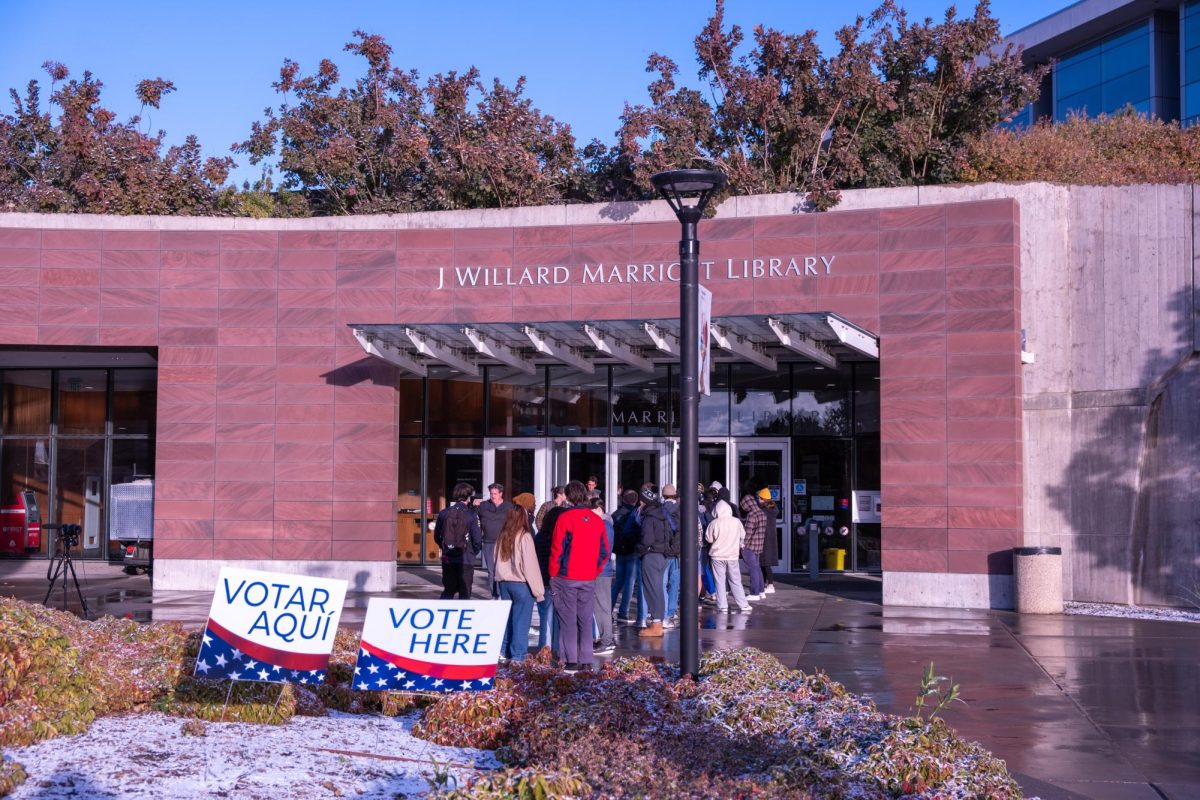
[(628, 532), (456, 529)]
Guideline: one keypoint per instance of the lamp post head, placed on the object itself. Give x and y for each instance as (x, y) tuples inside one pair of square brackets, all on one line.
[(677, 186)]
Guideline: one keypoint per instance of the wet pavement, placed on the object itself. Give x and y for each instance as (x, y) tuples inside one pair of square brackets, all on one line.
[(1091, 707)]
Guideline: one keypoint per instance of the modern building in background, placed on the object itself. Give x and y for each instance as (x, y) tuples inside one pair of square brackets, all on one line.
[(1111, 54)]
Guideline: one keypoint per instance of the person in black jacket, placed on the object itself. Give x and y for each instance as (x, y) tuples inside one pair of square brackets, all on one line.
[(491, 520), (458, 564), (542, 540), (628, 532), (654, 549)]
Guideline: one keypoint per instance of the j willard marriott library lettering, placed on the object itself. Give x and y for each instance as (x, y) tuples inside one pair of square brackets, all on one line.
[(923, 379), (634, 273)]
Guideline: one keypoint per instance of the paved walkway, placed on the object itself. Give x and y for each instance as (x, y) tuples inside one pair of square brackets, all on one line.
[(1078, 706)]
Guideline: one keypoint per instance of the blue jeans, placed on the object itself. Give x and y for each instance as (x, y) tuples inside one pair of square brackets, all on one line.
[(629, 573), (671, 586), (547, 628), (516, 633)]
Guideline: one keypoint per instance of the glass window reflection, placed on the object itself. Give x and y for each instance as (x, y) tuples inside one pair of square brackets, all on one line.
[(643, 403), (27, 401), (760, 401), (578, 401)]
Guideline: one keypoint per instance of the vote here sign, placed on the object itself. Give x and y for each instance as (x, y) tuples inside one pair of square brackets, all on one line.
[(430, 645), (270, 626)]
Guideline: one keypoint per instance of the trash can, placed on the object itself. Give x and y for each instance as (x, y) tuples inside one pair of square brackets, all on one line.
[(1037, 575), (835, 558)]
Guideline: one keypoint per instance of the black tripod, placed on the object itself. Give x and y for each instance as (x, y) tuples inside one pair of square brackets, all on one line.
[(62, 564)]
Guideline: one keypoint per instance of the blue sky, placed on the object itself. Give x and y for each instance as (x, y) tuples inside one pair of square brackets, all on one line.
[(582, 61)]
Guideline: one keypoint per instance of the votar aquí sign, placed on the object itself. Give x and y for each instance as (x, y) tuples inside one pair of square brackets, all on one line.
[(622, 273)]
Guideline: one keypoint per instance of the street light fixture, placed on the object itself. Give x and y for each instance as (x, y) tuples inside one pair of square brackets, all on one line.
[(688, 192)]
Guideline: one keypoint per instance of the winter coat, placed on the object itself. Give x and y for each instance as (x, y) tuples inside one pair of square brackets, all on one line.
[(491, 519), (723, 494), (540, 518), (671, 509), (579, 548), (770, 551), (610, 570), (725, 534), (755, 522), (656, 531), (544, 540), (465, 555), (523, 566)]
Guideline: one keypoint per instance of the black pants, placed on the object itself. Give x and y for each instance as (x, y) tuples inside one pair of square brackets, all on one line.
[(456, 580)]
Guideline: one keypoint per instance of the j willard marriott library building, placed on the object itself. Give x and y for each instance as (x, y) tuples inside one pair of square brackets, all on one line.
[(925, 378)]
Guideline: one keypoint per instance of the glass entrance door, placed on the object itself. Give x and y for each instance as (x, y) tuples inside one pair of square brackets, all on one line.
[(763, 464), (635, 462), (518, 464)]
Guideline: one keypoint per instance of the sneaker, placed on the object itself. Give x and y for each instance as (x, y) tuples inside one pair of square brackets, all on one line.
[(770, 589), (745, 610), (722, 610), (570, 667), (708, 600), (626, 620), (503, 659), (756, 597), (605, 650)]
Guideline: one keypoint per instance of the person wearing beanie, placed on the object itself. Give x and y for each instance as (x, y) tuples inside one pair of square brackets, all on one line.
[(770, 552), (755, 522), (654, 548), (670, 504), (627, 526)]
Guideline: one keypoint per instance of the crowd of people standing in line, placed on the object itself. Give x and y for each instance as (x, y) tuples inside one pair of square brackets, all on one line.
[(584, 569)]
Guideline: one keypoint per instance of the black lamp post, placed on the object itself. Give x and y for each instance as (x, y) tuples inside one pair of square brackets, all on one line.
[(680, 187)]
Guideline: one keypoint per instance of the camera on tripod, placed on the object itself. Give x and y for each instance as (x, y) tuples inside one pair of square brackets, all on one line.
[(68, 536)]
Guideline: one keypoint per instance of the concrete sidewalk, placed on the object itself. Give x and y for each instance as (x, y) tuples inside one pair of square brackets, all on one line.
[(1078, 706)]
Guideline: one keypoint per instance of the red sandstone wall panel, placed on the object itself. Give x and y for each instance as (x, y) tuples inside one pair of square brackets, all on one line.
[(276, 434)]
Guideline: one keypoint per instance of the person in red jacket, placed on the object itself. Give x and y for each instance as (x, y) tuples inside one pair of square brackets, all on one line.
[(579, 549)]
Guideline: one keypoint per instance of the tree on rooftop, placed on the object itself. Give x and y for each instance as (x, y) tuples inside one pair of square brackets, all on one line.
[(81, 159), (899, 104), (390, 144)]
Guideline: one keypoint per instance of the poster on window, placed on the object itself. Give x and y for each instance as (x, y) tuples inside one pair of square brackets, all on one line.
[(705, 382)]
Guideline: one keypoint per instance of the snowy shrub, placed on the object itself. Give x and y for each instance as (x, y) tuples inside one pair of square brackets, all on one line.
[(749, 727), (58, 673), (12, 775)]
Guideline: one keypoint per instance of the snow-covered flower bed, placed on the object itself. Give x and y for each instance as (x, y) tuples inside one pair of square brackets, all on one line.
[(748, 727)]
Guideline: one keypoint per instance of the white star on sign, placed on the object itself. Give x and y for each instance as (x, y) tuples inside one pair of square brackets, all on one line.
[(221, 660), (251, 664), (485, 681), (372, 669), (409, 684), (356, 670), (207, 640), (467, 684), (263, 674), (320, 679), (202, 666), (438, 682), (237, 654), (233, 674), (392, 666), (381, 682), (364, 686), (362, 652)]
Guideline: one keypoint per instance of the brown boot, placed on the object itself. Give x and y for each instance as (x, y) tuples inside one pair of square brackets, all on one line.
[(652, 630)]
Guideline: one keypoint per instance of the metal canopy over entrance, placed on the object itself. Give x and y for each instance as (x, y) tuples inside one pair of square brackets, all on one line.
[(763, 340)]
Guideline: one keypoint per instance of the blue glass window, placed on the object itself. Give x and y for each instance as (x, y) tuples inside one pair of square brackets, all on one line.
[(1106, 76)]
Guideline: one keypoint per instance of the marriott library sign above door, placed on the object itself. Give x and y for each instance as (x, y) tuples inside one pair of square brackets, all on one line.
[(621, 273)]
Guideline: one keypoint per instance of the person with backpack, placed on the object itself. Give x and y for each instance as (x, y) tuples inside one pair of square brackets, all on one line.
[(653, 548), (670, 504), (627, 528), (548, 633), (457, 533), (520, 581), (579, 550)]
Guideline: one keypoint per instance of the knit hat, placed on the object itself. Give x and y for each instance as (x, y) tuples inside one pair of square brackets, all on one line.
[(525, 500), (716, 485), (764, 494), (669, 491), (649, 493)]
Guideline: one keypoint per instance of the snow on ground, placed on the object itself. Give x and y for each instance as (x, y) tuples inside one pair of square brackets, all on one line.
[(149, 756), (1131, 612)]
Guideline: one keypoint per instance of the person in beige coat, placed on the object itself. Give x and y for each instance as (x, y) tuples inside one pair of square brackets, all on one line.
[(520, 581), (726, 536)]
